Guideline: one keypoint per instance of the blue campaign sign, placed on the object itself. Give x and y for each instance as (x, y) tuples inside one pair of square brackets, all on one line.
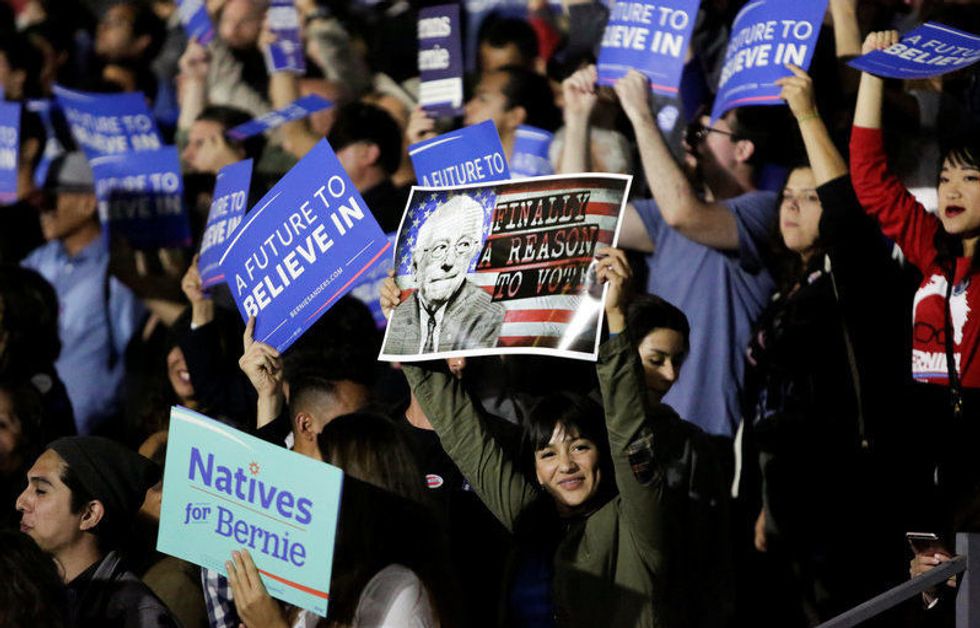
[(929, 50), (301, 248), (286, 52), (195, 20), (766, 35), (230, 200), (224, 490), (530, 158), (649, 36), (9, 149), (440, 60), (367, 289), (300, 108), (141, 197), (472, 154), (109, 124), (52, 147)]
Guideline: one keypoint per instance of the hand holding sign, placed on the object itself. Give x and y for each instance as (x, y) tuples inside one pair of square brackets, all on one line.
[(254, 604), (421, 126), (614, 270), (798, 93), (879, 41), (579, 93), (634, 96)]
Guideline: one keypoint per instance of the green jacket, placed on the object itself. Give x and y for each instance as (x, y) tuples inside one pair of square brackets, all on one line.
[(609, 565)]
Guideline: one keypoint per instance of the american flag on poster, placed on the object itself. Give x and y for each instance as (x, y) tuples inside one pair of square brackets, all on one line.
[(534, 262)]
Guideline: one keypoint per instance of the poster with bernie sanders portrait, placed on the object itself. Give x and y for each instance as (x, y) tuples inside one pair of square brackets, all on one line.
[(504, 267)]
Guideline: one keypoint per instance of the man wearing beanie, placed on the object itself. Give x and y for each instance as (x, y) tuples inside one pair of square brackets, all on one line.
[(81, 498)]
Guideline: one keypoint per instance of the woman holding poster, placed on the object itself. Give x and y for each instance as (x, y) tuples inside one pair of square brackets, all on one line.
[(592, 527), (946, 326), (824, 386)]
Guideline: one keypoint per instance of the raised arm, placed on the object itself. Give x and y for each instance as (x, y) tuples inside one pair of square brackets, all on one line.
[(193, 92), (263, 366), (578, 91), (630, 420), (297, 138), (880, 192), (710, 224), (464, 436), (825, 160)]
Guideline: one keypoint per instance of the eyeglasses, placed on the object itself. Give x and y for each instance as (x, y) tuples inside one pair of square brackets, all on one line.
[(695, 133), (463, 248)]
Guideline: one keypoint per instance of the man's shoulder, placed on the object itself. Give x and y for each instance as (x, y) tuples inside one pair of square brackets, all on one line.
[(43, 254)]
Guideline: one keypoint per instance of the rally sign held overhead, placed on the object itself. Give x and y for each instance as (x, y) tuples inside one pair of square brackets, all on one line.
[(651, 36), (140, 196), (472, 154), (225, 491), (929, 50), (195, 20), (440, 60), (530, 158), (302, 247), (507, 267), (766, 35), (9, 150), (296, 110), (109, 124), (230, 201), (286, 52)]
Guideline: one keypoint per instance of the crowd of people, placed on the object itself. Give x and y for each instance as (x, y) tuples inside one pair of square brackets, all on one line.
[(807, 266)]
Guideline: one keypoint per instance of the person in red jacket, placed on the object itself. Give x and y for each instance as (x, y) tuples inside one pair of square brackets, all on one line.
[(946, 308)]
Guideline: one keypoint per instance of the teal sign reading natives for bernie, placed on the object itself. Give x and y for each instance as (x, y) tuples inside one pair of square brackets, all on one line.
[(224, 490)]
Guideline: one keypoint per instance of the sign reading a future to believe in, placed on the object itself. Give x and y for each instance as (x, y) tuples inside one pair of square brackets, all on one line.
[(929, 50)]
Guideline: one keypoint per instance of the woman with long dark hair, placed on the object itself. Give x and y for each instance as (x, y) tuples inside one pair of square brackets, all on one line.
[(823, 385)]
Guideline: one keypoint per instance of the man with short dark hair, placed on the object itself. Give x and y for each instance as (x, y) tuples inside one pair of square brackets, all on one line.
[(81, 497), (368, 143)]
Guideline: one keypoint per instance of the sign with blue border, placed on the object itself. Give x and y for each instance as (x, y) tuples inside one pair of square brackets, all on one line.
[(224, 490)]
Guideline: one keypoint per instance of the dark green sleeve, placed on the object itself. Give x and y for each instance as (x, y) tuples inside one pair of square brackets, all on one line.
[(631, 423), (466, 439)]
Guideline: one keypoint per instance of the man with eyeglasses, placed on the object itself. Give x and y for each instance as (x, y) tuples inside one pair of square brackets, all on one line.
[(447, 311), (703, 232)]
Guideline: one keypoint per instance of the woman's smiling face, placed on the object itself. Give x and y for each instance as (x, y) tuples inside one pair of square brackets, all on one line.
[(568, 468)]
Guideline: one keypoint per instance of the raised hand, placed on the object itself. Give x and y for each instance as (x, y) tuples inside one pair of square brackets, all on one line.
[(194, 62), (634, 96), (879, 40), (390, 294), (615, 271), (420, 126), (579, 93), (798, 93), (261, 363)]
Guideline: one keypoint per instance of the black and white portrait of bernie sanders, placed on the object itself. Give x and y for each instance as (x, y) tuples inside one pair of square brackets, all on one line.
[(447, 312)]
